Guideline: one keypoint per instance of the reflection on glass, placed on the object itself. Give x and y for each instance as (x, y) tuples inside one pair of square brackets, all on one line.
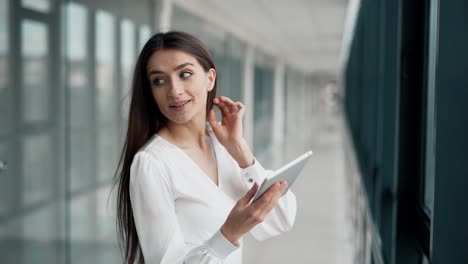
[(145, 34), (37, 168), (105, 53), (5, 93), (35, 94), (38, 5), (128, 59)]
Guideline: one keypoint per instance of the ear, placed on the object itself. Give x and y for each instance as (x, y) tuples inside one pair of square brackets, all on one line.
[(211, 79)]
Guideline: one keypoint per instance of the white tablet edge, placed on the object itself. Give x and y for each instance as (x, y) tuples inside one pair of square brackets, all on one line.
[(279, 171)]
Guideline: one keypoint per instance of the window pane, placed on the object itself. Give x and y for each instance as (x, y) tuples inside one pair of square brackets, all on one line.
[(41, 229), (263, 108), (93, 234), (105, 55), (76, 29), (38, 5), (10, 242), (107, 95), (128, 43), (5, 91), (145, 34), (81, 150), (108, 149), (83, 231), (105, 215), (35, 86), (7, 199), (430, 110), (38, 169), (76, 51), (211, 34), (128, 60)]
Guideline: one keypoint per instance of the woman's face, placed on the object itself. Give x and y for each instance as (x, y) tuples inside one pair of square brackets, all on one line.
[(179, 85)]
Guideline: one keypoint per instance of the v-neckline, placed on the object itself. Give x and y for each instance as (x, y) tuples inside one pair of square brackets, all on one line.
[(194, 164)]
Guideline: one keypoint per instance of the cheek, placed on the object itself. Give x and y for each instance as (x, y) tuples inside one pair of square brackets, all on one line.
[(202, 94), (157, 96)]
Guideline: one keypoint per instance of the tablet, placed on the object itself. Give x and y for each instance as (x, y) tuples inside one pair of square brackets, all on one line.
[(288, 172)]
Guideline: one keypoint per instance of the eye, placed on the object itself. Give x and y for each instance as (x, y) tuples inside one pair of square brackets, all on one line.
[(185, 74), (158, 81)]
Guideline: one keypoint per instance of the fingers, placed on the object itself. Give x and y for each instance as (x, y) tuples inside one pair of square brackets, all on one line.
[(213, 121), (227, 106), (212, 118), (269, 199), (249, 195), (274, 199), (222, 106), (240, 108)]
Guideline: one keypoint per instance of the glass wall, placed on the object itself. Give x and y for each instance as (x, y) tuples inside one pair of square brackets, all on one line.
[(295, 95), (64, 96), (5, 91), (227, 51), (62, 109), (263, 102)]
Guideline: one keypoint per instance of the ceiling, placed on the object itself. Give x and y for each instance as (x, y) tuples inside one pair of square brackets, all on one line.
[(305, 33)]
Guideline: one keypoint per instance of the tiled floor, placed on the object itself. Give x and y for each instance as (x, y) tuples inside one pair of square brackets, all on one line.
[(321, 232)]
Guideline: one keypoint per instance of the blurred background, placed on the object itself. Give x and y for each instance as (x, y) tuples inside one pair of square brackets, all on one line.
[(377, 89)]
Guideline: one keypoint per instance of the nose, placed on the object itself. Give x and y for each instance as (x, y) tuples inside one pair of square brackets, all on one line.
[(176, 88)]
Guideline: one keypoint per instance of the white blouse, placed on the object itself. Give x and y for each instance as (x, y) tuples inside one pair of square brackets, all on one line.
[(178, 210)]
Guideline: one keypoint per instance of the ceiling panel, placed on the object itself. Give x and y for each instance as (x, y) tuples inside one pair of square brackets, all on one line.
[(308, 32)]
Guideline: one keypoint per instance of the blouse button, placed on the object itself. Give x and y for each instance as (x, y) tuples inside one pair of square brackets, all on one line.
[(250, 180)]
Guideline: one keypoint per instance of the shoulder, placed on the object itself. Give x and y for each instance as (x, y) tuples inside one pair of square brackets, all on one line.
[(148, 169), (151, 156), (157, 152), (156, 148)]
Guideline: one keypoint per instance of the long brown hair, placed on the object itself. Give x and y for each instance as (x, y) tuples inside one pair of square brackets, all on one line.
[(144, 120)]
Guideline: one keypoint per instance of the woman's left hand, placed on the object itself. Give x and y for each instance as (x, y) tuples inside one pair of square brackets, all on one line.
[(230, 131)]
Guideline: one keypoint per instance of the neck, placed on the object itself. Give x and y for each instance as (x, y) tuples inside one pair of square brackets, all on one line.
[(188, 135)]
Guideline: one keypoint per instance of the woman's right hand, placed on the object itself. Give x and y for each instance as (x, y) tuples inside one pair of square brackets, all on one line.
[(245, 216)]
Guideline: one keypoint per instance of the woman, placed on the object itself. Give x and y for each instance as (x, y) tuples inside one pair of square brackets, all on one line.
[(186, 180)]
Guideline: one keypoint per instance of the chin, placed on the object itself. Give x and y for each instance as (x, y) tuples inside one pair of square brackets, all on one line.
[(180, 119)]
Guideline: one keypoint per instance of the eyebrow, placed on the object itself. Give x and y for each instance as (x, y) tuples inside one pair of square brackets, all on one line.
[(175, 69)]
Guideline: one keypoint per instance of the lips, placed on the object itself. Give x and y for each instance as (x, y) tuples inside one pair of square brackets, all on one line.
[(179, 103)]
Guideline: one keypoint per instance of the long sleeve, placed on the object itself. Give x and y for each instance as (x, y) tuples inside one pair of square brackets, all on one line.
[(160, 236), (282, 216)]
